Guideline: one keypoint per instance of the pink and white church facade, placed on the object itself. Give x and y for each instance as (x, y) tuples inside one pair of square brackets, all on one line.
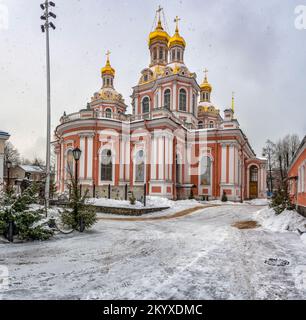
[(174, 141)]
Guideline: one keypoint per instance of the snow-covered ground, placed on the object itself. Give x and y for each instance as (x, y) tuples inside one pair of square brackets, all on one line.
[(288, 220), (197, 256)]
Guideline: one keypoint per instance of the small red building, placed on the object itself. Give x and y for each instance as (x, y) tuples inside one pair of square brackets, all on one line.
[(297, 178)]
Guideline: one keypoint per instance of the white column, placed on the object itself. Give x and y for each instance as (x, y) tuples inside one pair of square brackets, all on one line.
[(153, 157), (166, 157), (231, 164), (82, 158), (160, 143), (160, 105), (90, 156), (223, 164), (122, 159), (174, 97), (170, 157), (136, 105), (63, 169)]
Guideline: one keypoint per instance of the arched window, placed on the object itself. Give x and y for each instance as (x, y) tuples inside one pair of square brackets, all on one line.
[(178, 54), (139, 166), (167, 99), (205, 171), (108, 113), (200, 125), (211, 124), (173, 54), (145, 105), (70, 164), (106, 165), (253, 174), (183, 100)]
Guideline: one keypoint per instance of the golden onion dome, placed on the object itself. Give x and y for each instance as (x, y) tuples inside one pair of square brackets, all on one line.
[(205, 85), (176, 39), (107, 69), (158, 34)]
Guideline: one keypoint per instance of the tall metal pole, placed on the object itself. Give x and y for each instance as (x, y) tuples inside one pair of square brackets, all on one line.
[(48, 151)]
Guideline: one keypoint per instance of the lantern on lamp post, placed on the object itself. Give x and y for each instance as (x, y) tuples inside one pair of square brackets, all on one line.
[(77, 155)]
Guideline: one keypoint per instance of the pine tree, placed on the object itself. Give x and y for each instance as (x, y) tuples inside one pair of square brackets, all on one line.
[(281, 200), (80, 216), (16, 216)]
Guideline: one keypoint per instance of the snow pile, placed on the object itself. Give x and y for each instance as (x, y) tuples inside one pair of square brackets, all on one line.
[(155, 201), (285, 221), (104, 202), (258, 202), (219, 202), (303, 237), (151, 202)]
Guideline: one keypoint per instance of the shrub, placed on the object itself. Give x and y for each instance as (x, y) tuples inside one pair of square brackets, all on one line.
[(224, 197), (281, 200), (27, 223), (132, 199), (79, 216)]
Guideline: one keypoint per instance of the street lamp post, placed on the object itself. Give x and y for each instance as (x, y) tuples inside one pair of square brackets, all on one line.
[(77, 155), (45, 29), (8, 166)]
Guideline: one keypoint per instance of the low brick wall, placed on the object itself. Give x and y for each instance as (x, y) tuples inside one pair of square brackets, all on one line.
[(126, 211)]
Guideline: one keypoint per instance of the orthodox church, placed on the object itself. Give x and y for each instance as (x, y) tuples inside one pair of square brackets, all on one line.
[(175, 142)]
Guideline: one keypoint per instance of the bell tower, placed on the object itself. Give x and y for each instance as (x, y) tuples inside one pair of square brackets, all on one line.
[(108, 73), (177, 45), (158, 42), (206, 89)]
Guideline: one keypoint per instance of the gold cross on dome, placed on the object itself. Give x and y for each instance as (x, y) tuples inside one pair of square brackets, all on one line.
[(107, 54), (158, 11), (176, 20), (205, 72)]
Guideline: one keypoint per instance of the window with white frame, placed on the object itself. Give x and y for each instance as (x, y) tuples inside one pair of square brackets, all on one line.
[(145, 105), (106, 165), (183, 100), (69, 164), (167, 98), (139, 166), (108, 113), (205, 170)]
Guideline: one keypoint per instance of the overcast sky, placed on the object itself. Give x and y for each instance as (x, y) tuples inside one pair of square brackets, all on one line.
[(250, 47)]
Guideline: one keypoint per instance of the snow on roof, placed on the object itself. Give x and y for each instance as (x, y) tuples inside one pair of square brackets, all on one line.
[(33, 169)]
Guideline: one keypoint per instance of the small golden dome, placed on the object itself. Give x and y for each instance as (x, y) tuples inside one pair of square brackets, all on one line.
[(107, 69), (176, 39), (205, 85), (158, 34)]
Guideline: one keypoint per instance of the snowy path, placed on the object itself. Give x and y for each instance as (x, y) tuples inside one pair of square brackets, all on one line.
[(197, 256)]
